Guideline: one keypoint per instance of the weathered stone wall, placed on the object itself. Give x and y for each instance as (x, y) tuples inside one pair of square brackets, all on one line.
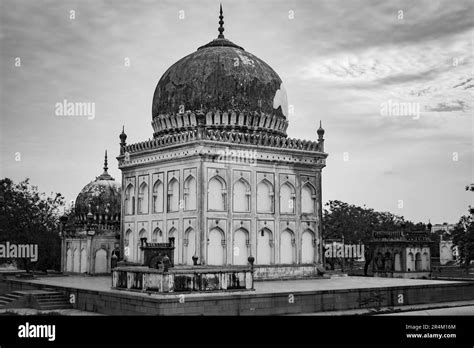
[(284, 272)]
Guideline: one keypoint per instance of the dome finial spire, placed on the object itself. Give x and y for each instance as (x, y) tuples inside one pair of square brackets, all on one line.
[(105, 175), (105, 162), (221, 24)]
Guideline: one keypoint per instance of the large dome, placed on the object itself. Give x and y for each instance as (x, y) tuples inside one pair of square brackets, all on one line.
[(220, 77), (100, 197)]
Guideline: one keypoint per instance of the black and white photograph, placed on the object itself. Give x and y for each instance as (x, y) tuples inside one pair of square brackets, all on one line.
[(171, 170)]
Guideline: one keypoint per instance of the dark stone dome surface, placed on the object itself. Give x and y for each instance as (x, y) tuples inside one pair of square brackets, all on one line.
[(220, 76), (101, 195)]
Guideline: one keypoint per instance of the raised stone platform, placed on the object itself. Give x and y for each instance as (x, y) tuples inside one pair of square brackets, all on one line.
[(269, 298)]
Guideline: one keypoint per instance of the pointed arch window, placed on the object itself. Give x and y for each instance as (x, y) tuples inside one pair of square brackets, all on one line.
[(173, 195), (190, 193), (241, 196), (158, 197), (157, 235), (308, 199), (129, 202), (216, 194), (287, 247), (265, 197), (143, 199), (265, 247), (287, 198)]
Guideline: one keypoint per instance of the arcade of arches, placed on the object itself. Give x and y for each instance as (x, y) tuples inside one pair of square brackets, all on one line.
[(231, 237)]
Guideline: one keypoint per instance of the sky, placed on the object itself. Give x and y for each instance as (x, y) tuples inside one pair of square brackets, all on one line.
[(391, 81)]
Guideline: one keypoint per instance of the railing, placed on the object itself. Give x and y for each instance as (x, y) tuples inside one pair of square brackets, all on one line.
[(193, 279)]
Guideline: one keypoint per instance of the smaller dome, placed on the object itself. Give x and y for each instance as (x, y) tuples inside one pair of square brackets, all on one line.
[(100, 197)]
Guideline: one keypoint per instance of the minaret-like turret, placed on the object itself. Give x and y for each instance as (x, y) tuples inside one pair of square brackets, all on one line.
[(123, 139), (321, 137)]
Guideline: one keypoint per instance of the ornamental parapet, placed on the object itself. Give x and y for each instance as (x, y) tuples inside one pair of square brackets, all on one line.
[(421, 236), (256, 139)]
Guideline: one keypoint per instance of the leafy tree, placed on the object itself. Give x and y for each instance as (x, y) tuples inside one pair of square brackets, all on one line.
[(356, 223), (30, 217), (463, 238)]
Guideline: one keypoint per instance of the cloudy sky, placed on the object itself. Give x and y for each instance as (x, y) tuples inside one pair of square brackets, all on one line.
[(392, 82)]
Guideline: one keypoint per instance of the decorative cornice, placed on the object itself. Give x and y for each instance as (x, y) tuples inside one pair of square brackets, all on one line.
[(239, 121)]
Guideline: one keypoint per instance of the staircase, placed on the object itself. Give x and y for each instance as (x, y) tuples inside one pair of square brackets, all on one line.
[(6, 299), (49, 300)]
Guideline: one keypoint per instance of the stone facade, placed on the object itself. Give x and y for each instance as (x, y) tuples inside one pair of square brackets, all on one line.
[(273, 201), (89, 253)]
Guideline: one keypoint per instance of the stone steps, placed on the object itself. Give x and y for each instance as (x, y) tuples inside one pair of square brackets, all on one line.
[(6, 299), (52, 300)]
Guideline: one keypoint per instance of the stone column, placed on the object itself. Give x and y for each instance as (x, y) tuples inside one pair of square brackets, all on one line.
[(201, 242), (89, 253), (319, 258)]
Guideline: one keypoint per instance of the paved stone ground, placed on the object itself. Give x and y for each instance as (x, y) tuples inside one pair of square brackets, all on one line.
[(30, 311), (103, 283), (444, 308), (463, 310)]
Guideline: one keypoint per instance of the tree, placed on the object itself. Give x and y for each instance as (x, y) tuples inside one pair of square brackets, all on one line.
[(463, 238), (356, 223), (30, 217)]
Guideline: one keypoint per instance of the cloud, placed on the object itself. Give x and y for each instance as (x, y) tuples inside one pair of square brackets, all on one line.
[(465, 84), (339, 61), (457, 105)]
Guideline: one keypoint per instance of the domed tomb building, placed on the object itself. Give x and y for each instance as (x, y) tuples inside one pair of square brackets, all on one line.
[(220, 175), (90, 234)]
